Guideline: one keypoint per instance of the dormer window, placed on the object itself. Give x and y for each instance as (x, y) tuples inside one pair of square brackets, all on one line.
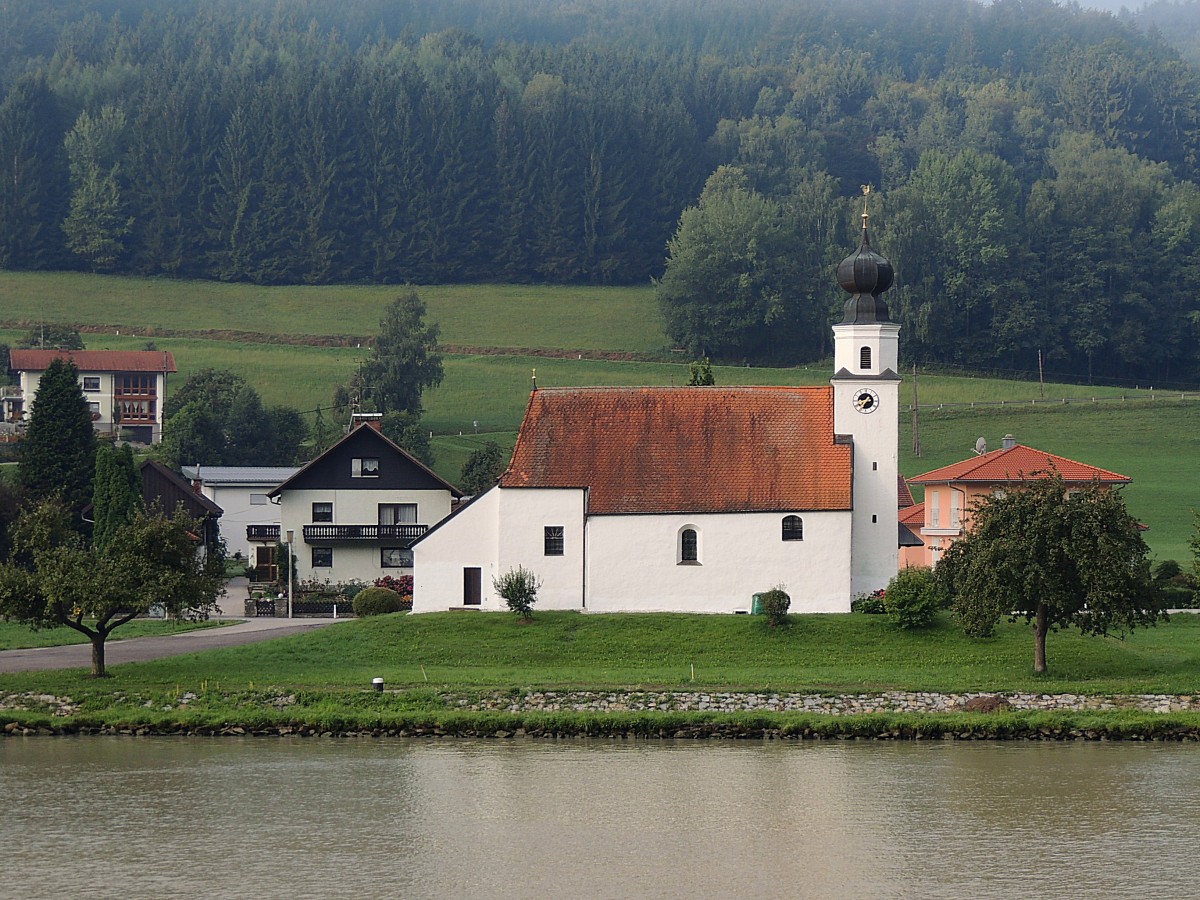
[(364, 467), (864, 358)]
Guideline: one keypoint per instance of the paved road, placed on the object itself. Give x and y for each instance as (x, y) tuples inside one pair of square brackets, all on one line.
[(76, 656)]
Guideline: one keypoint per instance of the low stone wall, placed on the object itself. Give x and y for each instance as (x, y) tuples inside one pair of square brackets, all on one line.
[(835, 705)]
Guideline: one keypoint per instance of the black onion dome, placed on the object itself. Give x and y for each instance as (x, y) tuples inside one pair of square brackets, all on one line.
[(865, 275)]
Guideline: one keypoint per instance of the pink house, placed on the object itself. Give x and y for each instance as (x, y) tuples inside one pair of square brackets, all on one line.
[(951, 491)]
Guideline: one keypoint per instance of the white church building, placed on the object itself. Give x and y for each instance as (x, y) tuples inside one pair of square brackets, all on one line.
[(693, 499)]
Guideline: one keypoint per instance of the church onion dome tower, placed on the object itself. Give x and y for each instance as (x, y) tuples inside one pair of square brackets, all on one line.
[(865, 275)]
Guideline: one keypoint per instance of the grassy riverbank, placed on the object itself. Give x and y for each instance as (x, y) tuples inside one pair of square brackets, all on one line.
[(442, 671)]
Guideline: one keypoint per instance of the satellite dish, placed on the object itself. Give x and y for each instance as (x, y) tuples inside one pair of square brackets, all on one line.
[(981, 446)]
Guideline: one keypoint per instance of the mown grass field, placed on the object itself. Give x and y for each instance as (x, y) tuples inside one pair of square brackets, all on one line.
[(514, 316), (824, 653), (484, 396)]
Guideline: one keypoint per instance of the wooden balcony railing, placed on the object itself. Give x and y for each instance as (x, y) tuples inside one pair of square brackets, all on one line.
[(262, 532), (402, 535)]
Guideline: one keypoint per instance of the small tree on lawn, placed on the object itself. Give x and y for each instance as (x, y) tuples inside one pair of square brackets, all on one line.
[(1053, 559), (519, 589), (913, 597), (150, 561)]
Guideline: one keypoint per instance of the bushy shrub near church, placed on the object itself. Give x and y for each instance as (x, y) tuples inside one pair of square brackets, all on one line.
[(912, 597)]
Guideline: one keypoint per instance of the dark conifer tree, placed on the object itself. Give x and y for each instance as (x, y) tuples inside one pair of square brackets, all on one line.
[(58, 454)]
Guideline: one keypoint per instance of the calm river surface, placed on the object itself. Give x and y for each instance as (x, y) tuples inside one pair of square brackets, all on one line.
[(195, 817)]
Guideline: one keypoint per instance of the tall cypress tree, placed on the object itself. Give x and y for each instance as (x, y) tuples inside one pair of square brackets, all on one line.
[(117, 494), (58, 454)]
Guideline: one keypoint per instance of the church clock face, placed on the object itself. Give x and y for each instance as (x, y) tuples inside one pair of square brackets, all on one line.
[(866, 401)]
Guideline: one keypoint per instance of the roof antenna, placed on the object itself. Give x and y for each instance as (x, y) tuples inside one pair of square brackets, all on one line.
[(535, 381)]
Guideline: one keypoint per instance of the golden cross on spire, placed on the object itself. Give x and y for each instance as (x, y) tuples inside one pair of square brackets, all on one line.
[(866, 191)]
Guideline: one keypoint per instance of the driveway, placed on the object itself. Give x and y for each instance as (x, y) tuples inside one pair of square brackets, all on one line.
[(77, 656)]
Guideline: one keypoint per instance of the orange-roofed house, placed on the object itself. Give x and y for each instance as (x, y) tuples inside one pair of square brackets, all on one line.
[(693, 499), (126, 389), (951, 491)]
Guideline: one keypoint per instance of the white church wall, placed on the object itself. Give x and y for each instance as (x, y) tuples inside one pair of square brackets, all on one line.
[(469, 539), (633, 562)]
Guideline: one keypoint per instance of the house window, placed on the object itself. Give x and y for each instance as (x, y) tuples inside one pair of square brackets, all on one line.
[(397, 514), (396, 558), (689, 545), (91, 384), (322, 512), (472, 587), (793, 528), (864, 358), (955, 509), (364, 467), (94, 409), (553, 538), (322, 557), (935, 513), (259, 500)]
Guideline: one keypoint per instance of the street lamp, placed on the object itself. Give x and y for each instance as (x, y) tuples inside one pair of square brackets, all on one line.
[(291, 534)]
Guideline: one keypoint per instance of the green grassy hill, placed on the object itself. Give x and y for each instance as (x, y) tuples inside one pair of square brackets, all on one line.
[(1156, 442)]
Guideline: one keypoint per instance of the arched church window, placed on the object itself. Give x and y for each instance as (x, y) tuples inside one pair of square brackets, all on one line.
[(793, 528), (689, 546)]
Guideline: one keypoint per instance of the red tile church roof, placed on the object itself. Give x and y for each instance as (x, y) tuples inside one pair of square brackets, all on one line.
[(686, 449), (94, 360), (1017, 463)]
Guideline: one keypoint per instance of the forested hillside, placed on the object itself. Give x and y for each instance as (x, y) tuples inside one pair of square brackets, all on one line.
[(1037, 166)]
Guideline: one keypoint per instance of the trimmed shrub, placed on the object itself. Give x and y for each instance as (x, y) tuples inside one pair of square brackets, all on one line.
[(376, 601), (775, 603), (519, 589), (913, 596)]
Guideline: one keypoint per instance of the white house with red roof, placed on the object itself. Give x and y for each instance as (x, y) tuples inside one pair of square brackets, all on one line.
[(693, 499), (952, 491), (126, 389)]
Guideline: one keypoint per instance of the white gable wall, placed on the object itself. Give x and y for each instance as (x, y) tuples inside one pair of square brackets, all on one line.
[(469, 540)]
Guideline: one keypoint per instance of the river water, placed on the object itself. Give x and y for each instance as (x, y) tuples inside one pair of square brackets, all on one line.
[(196, 817)]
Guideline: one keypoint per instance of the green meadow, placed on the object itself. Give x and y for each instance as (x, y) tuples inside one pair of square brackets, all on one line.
[(484, 394), (825, 653)]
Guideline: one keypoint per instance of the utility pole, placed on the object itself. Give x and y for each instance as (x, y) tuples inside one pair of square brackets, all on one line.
[(1041, 377)]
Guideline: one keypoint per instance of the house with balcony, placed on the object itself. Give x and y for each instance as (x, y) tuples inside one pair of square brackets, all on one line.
[(952, 491), (125, 389), (353, 513), (250, 525)]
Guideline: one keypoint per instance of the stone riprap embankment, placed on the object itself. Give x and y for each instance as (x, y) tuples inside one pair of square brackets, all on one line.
[(835, 704)]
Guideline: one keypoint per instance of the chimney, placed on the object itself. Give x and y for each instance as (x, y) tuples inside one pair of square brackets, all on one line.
[(370, 419), (197, 481), (1008, 442)]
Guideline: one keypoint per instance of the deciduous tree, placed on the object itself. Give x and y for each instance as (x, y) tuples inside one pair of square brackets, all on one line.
[(482, 469), (151, 561), (1053, 557), (404, 360)]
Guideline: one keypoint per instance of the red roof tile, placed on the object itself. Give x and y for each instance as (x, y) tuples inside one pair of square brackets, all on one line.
[(913, 515), (94, 360), (1018, 463), (688, 449), (904, 495)]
